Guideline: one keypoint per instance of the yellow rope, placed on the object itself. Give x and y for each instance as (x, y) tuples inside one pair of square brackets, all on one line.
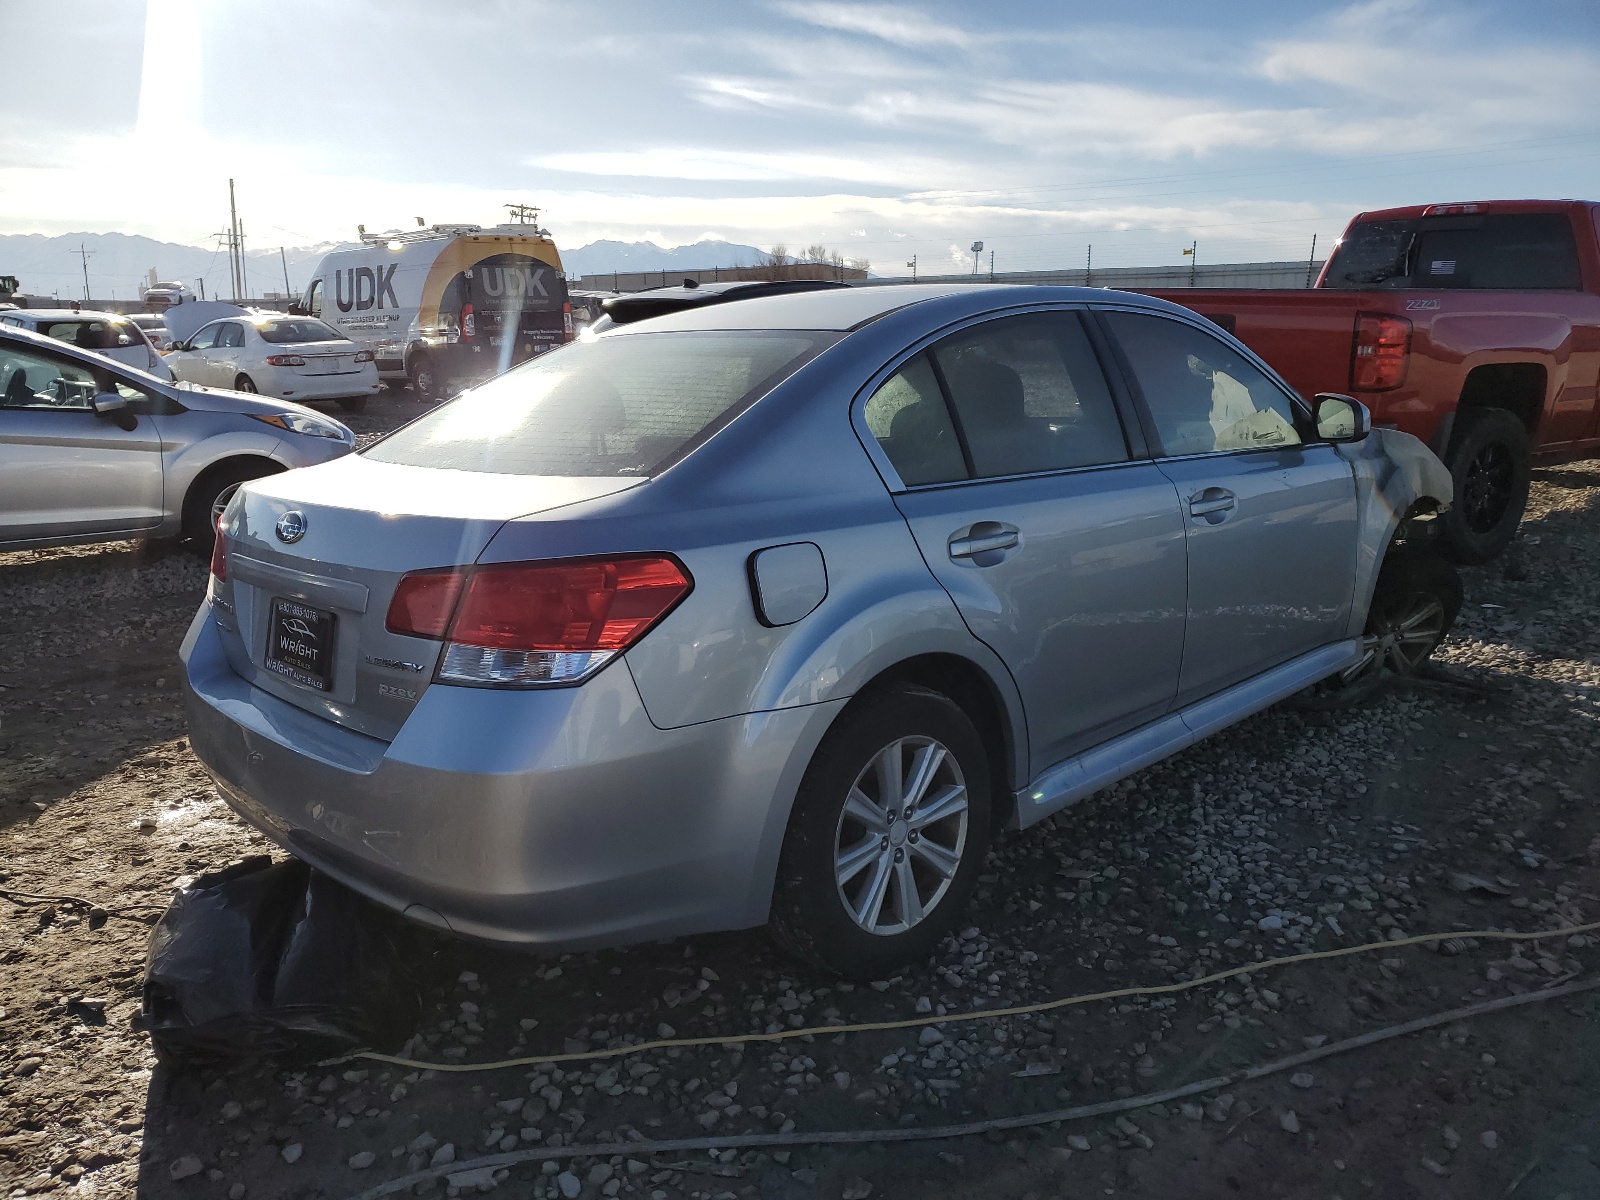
[(980, 1014)]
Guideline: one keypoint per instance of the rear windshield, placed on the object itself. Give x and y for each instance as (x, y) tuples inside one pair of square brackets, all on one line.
[(93, 335), (301, 329), (1509, 252), (612, 406)]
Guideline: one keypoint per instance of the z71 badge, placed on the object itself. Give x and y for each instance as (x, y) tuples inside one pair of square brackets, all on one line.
[(1421, 305)]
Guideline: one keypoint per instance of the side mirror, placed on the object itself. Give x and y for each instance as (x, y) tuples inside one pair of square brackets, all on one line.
[(1341, 418), (177, 346), (297, 310), (114, 406)]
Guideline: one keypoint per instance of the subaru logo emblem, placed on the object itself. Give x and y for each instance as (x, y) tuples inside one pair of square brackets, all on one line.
[(292, 526)]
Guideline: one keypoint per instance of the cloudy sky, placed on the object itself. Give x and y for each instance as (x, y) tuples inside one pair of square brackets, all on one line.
[(883, 130)]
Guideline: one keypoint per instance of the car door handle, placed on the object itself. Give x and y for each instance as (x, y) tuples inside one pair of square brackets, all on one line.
[(978, 543), (1212, 503)]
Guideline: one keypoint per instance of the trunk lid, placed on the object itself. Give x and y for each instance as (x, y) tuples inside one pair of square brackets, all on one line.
[(318, 603), (325, 358)]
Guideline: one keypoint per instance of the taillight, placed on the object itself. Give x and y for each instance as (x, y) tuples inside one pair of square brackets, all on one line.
[(285, 360), (219, 554), (469, 322), (566, 320), (423, 602), (363, 355), (541, 622), (1379, 361)]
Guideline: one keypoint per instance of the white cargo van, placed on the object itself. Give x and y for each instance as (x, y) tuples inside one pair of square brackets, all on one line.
[(445, 306)]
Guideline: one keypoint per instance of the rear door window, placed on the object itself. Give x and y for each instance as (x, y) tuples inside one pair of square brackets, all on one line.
[(621, 405), (231, 335), (1030, 396), (206, 338)]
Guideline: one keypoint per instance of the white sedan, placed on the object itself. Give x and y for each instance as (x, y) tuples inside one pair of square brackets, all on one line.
[(295, 358)]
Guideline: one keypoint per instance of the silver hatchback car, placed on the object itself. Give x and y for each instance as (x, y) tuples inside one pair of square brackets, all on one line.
[(94, 450), (776, 611)]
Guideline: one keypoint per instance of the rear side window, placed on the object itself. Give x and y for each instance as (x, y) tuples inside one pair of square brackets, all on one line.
[(909, 418), (622, 405), (232, 335), (93, 335), (1201, 394), (1508, 252)]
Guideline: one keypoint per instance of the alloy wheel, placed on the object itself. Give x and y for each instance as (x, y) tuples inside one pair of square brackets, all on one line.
[(1487, 487), (1400, 641), (901, 836)]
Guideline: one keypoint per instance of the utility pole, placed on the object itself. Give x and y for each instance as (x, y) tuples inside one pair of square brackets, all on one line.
[(233, 243), (1311, 263), (1194, 259), (991, 266), (913, 265), (85, 255), (286, 292), (1088, 267), (244, 274)]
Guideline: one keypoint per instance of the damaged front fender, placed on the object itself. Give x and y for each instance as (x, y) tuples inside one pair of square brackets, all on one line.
[(1397, 478)]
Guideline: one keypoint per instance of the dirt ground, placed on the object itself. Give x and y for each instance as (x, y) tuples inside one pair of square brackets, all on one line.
[(1444, 807)]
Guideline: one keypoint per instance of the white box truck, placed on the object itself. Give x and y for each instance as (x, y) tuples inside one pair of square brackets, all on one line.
[(445, 306)]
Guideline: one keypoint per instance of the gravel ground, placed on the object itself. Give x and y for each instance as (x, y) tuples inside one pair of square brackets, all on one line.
[(1448, 806)]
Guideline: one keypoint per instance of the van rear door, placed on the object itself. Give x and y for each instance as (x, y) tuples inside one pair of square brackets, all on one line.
[(519, 306)]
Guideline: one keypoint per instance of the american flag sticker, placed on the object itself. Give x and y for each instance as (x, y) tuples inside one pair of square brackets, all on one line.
[(1443, 266)]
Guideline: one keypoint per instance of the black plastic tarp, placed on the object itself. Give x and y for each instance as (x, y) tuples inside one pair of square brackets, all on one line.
[(279, 961)]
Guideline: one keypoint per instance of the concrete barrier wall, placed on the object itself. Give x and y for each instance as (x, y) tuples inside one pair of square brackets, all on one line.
[(1217, 275)]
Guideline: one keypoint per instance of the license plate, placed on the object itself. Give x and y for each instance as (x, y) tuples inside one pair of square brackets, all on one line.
[(324, 366), (300, 644)]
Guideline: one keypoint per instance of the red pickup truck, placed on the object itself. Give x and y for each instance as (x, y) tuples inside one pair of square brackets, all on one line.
[(1475, 327)]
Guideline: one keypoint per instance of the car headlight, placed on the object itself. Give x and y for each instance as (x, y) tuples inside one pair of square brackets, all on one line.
[(307, 423)]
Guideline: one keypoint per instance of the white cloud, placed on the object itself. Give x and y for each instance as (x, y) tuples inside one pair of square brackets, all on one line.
[(705, 163), (889, 23)]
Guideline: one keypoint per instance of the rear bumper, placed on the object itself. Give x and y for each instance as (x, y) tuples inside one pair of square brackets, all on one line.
[(288, 383), (557, 818)]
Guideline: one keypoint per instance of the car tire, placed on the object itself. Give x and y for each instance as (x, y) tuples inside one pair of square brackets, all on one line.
[(209, 493), (863, 890), (353, 404), (1490, 461), (245, 384), (424, 381), (1414, 605)]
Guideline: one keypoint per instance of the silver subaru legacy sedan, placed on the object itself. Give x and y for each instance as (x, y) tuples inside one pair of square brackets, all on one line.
[(92, 449), (776, 611)]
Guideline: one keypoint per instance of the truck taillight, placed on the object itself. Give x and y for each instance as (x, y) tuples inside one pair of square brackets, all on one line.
[(566, 320), (521, 624), (469, 323), (1378, 363)]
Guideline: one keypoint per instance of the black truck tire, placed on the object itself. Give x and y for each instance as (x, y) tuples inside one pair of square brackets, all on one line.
[(1490, 461)]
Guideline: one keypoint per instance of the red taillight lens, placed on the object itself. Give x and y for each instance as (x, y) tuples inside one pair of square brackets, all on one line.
[(424, 601), (518, 624), (598, 605), (219, 554), (566, 320), (1379, 361), (285, 360), (363, 355), (469, 322)]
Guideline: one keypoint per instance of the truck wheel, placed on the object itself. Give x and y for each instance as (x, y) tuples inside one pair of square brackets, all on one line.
[(1414, 605), (1489, 462), (424, 382), (887, 837)]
